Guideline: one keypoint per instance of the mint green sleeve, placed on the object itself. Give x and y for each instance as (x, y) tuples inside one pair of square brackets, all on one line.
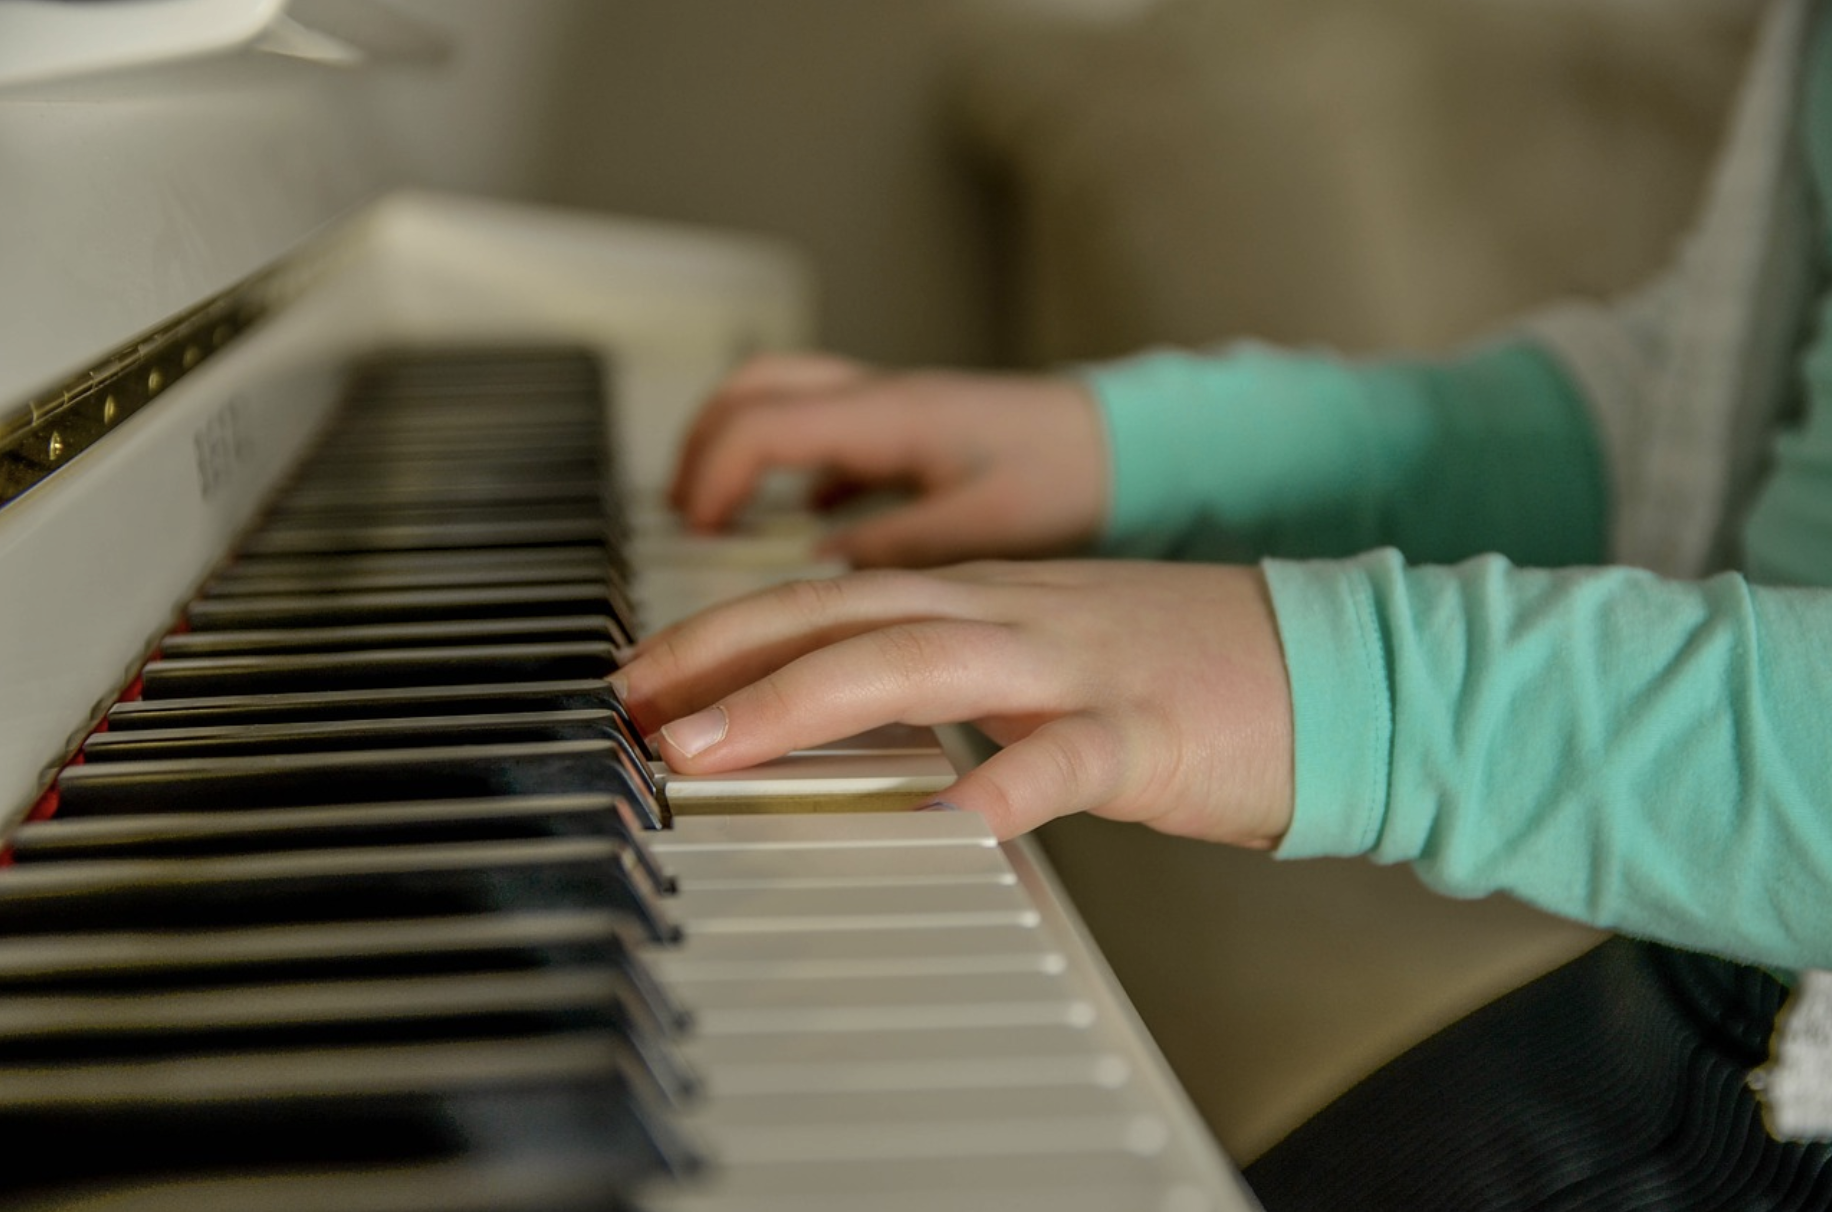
[(1645, 755), (1258, 452)]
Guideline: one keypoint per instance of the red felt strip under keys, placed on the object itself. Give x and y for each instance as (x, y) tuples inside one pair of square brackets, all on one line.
[(46, 806)]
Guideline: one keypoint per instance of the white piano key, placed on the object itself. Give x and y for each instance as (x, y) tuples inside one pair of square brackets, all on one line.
[(1034, 1188), (1104, 1168), (740, 1077), (860, 953), (811, 1020), (925, 1047), (820, 831), (708, 996), (951, 1003), (836, 867), (778, 910), (957, 1135), (808, 782), (733, 1117)]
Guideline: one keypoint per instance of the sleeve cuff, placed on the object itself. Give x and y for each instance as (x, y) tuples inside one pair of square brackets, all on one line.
[(1210, 451), (1342, 711)]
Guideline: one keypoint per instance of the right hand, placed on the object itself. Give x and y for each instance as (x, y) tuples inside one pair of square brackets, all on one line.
[(1001, 465), (1134, 691)]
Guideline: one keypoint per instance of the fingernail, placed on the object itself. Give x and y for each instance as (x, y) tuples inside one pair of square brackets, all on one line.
[(694, 734), (937, 806), (620, 686)]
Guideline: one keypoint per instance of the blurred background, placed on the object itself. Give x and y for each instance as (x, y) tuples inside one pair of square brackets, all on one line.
[(1028, 181), (1022, 183)]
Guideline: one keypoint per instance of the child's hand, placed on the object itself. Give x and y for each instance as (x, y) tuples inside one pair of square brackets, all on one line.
[(1001, 465), (1147, 692)]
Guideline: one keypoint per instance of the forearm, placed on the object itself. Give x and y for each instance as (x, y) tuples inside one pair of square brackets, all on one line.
[(1640, 754), (1259, 452)]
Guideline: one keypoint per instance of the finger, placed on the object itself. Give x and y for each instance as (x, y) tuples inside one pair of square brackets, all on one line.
[(692, 663), (758, 379), (793, 371), (866, 434), (926, 672), (1074, 763), (953, 524)]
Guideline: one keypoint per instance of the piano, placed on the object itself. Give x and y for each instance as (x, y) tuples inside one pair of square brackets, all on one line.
[(334, 875)]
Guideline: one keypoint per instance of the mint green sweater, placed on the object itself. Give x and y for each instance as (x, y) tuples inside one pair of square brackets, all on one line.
[(1642, 754)]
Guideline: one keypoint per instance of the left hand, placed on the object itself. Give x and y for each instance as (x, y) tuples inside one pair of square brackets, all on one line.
[(1141, 692)]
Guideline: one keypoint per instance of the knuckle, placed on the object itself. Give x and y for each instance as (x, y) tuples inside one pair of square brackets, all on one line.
[(815, 600), (996, 801), (667, 652), (1088, 757), (764, 700), (911, 654), (943, 653), (894, 585), (742, 426)]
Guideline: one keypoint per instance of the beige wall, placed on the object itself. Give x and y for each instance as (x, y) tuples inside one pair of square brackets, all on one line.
[(483, 120), (822, 121), (1358, 172)]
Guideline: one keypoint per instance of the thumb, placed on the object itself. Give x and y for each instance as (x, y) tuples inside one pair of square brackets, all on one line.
[(1068, 765)]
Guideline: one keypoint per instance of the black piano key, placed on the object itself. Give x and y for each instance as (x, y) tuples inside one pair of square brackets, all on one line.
[(129, 962), (566, 695), (445, 880), (434, 516), (560, 449), (458, 373), (299, 780), (39, 1029), (263, 830), (480, 390), (295, 580), (339, 571), (444, 633), (399, 454), (411, 822), (563, 450), (491, 1100), (501, 728), (303, 497), (63, 1029), (467, 396), (528, 420), (509, 565), (426, 537), (495, 581), (559, 1184), (377, 669), (136, 960), (425, 480), (520, 599), (561, 453)]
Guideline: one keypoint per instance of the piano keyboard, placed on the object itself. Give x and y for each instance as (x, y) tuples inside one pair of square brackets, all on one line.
[(368, 898)]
